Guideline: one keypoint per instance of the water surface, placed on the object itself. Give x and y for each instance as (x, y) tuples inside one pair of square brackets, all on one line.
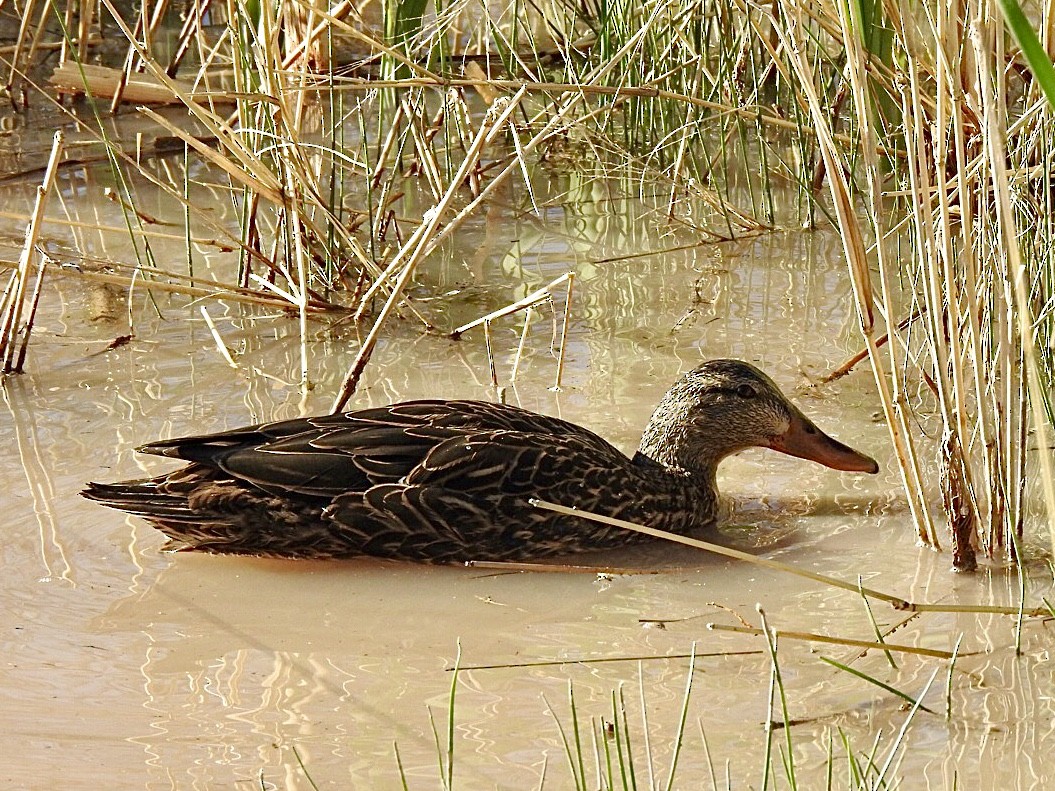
[(125, 667)]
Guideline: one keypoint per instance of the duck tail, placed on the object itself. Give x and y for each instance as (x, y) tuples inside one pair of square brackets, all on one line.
[(142, 498), (218, 516)]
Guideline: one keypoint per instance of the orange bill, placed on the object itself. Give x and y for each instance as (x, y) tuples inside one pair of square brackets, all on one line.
[(805, 440)]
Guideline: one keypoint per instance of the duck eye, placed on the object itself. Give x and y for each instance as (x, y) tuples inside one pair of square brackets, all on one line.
[(746, 391)]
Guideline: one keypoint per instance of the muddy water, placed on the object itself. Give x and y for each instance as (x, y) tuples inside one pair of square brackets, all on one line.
[(128, 668)]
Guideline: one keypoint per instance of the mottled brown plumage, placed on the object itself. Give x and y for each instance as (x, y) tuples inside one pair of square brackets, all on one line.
[(451, 480)]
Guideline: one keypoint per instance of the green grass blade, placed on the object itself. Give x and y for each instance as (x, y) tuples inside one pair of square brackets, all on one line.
[(679, 738), (871, 680), (1039, 62)]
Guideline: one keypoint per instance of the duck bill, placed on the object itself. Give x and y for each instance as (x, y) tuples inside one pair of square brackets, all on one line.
[(805, 440)]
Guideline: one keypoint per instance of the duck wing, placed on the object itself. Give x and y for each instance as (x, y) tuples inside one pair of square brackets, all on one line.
[(327, 456), (469, 499), (521, 463)]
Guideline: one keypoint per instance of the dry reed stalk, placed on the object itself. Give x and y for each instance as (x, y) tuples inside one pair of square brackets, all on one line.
[(219, 291), (251, 237), (520, 347), (490, 355), (208, 56), (387, 147), (107, 83), (34, 301), (521, 157), (457, 109), (897, 602), (525, 304), (857, 260), (220, 345), (534, 298), (295, 185), (147, 29), (88, 18), (66, 222), (11, 327), (564, 332), (188, 35), (993, 120), (813, 637), (881, 341), (7, 300), (587, 661), (426, 159)]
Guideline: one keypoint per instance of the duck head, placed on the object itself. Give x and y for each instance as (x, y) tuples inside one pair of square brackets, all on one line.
[(725, 406)]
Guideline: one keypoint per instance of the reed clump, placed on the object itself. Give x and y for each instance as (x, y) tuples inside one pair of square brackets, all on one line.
[(939, 204)]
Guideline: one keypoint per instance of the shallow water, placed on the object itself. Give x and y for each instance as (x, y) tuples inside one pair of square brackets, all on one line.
[(127, 667)]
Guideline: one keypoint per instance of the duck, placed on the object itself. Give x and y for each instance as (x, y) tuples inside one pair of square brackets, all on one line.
[(448, 481)]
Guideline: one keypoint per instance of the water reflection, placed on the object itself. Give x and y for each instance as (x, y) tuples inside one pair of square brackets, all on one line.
[(28, 444)]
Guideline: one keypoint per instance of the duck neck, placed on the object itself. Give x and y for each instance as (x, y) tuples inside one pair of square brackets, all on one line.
[(666, 456)]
